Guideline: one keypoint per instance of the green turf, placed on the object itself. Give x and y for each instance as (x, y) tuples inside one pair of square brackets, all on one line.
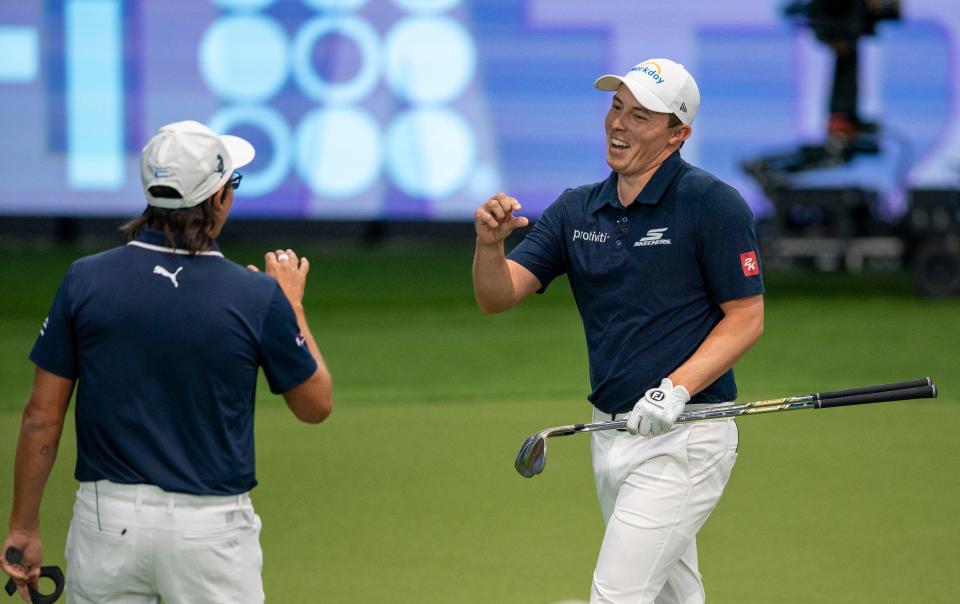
[(408, 493)]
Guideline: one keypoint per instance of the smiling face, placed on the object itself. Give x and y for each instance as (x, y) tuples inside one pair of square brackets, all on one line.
[(638, 139)]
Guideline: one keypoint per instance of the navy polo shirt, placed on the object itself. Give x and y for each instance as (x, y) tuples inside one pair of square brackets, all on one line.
[(648, 279), (165, 346)]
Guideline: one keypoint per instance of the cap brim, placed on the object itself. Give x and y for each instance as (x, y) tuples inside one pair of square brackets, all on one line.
[(241, 152), (643, 96)]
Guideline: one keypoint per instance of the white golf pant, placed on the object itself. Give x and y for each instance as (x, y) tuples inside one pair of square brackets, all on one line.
[(137, 544), (655, 493)]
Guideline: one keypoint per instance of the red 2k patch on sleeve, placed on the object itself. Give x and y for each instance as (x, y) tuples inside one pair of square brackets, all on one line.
[(748, 262)]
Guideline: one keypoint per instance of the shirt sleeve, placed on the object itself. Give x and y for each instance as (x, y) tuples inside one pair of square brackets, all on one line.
[(729, 253), (56, 347), (284, 355), (542, 251)]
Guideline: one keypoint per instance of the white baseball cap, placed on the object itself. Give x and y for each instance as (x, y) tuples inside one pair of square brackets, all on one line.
[(660, 85), (191, 159)]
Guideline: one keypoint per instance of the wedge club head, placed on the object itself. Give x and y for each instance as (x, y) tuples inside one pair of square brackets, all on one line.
[(532, 455)]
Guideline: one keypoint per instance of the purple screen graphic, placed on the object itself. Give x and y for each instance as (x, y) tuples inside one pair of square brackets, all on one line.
[(420, 109)]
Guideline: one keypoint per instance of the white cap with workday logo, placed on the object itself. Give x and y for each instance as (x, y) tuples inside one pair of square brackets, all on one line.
[(191, 159), (660, 85)]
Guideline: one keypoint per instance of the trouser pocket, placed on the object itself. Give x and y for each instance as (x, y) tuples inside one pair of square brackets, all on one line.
[(101, 562), (215, 565)]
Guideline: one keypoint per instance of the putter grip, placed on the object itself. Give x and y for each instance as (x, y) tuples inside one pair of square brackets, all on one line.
[(918, 383), (905, 394), (14, 555)]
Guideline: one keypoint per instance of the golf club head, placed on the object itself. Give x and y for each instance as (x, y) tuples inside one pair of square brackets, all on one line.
[(532, 456)]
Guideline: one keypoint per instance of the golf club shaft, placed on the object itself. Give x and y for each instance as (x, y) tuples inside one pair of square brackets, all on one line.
[(913, 389)]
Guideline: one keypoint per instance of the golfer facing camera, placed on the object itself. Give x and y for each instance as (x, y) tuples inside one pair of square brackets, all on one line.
[(163, 338), (662, 260)]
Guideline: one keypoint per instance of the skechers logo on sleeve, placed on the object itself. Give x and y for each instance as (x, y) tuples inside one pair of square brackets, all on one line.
[(654, 237), (592, 236)]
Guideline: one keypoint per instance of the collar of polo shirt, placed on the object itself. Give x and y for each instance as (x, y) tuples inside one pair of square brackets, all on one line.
[(650, 194)]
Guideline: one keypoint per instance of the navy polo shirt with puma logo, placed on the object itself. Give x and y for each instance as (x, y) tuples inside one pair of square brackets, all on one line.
[(165, 347), (648, 278)]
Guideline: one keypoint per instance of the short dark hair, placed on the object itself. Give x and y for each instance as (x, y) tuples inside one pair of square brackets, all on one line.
[(184, 228)]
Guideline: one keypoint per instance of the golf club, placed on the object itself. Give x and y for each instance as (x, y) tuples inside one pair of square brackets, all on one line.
[(533, 453)]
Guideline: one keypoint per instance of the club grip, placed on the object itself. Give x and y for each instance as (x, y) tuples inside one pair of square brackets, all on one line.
[(14, 555), (918, 383), (903, 394)]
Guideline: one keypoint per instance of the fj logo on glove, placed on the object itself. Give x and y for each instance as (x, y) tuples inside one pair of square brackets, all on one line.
[(656, 395)]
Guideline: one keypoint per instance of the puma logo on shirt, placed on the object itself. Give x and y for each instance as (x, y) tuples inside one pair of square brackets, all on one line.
[(159, 270)]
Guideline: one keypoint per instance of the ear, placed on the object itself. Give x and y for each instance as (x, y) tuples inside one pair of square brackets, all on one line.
[(218, 197), (681, 134)]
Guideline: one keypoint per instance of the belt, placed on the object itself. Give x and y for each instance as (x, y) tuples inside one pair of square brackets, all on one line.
[(144, 494)]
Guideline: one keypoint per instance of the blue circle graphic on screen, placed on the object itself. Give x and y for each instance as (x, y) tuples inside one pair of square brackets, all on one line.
[(429, 59), (357, 31), (426, 6), (430, 152), (266, 179), (339, 151), (244, 58), (243, 5), (484, 181), (334, 5)]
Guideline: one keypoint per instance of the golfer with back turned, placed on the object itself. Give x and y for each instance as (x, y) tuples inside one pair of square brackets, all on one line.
[(662, 260), (163, 338)]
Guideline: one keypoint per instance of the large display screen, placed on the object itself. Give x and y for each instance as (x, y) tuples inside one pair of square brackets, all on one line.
[(420, 109)]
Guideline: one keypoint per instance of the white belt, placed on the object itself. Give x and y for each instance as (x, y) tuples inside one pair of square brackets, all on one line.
[(120, 506), (149, 495)]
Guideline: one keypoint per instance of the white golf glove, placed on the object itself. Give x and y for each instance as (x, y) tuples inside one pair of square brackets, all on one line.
[(657, 411)]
